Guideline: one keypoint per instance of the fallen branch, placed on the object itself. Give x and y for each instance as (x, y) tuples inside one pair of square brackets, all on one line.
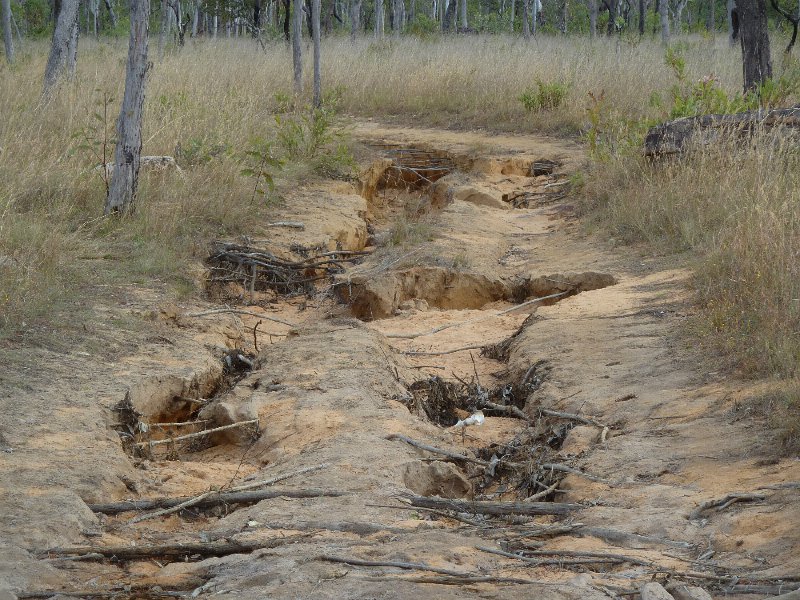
[(789, 485), (408, 336), (236, 311), (494, 508), (573, 471), (543, 493), (428, 448), (200, 497), (724, 502), (584, 554), (176, 550), (674, 136), (620, 538), (250, 497), (613, 559), (443, 352), (462, 580), (197, 434), (290, 224), (441, 513), (508, 409), (357, 562), (548, 531), (179, 424), (128, 591), (571, 417)]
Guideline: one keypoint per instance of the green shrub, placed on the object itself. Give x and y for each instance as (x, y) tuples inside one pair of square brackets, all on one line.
[(545, 96)]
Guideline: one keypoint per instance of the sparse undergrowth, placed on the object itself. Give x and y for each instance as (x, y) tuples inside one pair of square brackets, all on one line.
[(56, 250)]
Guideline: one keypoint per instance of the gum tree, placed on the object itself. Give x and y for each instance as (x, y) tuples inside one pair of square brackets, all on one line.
[(124, 180)]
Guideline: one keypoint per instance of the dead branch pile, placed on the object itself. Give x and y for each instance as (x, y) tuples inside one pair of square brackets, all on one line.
[(551, 192), (257, 269), (414, 167)]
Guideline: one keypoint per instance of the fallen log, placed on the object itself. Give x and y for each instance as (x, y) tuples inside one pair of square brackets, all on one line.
[(241, 488), (435, 450), (247, 497), (724, 502), (175, 550), (494, 508), (673, 137)]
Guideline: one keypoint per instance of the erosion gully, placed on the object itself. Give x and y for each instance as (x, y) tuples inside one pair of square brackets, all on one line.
[(439, 385)]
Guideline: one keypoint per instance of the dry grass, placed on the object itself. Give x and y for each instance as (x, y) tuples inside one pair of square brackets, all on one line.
[(214, 100), (738, 210)]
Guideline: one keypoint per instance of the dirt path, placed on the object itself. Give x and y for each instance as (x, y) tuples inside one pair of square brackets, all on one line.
[(376, 356)]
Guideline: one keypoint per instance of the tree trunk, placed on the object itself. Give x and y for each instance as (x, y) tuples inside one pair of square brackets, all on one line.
[(315, 9), (612, 17), (162, 35), (60, 60), (124, 180), (287, 11), (378, 19), (256, 18), (355, 16), (111, 14), (464, 23), (592, 19), (642, 15), (526, 25), (513, 5), (396, 18), (711, 18), (733, 23), (450, 15), (195, 18), (757, 65), (7, 39), (564, 17), (663, 10), (536, 6), (297, 53)]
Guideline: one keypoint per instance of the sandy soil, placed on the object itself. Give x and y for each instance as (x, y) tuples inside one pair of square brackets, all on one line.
[(666, 432)]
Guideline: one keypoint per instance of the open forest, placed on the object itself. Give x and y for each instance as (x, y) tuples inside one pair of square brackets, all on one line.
[(400, 299)]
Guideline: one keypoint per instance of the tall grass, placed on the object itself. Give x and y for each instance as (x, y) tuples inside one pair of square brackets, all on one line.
[(736, 207), (212, 100)]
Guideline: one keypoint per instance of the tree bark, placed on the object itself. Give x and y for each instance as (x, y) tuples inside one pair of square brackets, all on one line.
[(256, 18), (355, 17), (526, 24), (513, 5), (378, 19), (111, 13), (297, 52), (464, 23), (642, 16), (450, 16), (756, 61), (663, 10), (711, 18), (63, 46), (162, 35), (315, 9), (124, 180), (733, 23), (592, 19), (7, 39)]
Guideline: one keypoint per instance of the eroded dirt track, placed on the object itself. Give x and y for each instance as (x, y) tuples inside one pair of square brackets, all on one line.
[(488, 298)]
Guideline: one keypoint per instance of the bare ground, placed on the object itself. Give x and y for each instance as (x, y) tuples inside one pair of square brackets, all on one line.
[(666, 433)]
